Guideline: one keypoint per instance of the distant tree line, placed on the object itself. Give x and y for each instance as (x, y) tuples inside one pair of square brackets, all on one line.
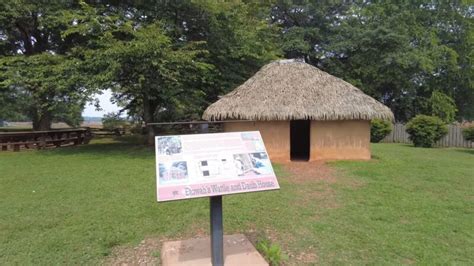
[(168, 60)]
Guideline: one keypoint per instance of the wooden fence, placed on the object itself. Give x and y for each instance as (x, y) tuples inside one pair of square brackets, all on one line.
[(454, 138), (42, 139)]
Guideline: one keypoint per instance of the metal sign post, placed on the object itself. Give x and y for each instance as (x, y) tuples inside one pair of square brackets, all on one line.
[(217, 232)]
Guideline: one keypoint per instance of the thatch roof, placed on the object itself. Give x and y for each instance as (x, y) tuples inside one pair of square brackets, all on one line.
[(290, 90)]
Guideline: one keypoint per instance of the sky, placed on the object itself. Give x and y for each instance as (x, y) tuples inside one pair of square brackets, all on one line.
[(105, 103)]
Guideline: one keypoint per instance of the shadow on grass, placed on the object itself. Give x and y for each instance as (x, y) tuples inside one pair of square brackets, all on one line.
[(407, 145), (130, 146), (394, 143), (374, 157), (468, 151), (435, 147)]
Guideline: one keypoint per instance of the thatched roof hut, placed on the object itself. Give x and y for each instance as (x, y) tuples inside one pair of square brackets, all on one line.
[(291, 90), (302, 113)]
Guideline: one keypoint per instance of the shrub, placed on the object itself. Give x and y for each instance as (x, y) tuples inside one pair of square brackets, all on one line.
[(426, 130), (271, 252), (112, 121), (379, 129), (138, 129), (468, 133)]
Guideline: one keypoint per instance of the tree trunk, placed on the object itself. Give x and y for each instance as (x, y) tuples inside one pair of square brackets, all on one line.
[(150, 135), (42, 121), (148, 112)]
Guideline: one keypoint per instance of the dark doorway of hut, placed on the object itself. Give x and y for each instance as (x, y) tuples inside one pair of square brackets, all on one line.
[(299, 140)]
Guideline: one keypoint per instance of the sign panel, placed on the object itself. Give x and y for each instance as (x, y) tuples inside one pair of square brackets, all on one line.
[(203, 165)]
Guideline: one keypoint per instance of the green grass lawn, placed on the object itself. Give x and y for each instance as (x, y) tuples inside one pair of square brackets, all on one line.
[(74, 205)]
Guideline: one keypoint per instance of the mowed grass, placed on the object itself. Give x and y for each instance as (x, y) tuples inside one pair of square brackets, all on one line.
[(411, 205), (74, 205)]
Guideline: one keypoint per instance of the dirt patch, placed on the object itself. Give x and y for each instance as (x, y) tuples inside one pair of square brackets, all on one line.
[(314, 182), (303, 172), (308, 256), (305, 258), (146, 253), (408, 261), (318, 172), (254, 236), (344, 177)]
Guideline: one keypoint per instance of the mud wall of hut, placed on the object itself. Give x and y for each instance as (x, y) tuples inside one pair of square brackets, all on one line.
[(329, 140), (275, 134), (340, 140)]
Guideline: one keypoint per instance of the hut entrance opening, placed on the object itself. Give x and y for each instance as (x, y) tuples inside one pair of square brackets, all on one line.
[(299, 140)]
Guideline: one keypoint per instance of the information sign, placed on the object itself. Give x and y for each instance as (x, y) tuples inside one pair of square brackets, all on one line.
[(206, 165)]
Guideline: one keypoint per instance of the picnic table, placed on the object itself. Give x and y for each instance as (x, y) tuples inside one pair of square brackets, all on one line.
[(42, 139)]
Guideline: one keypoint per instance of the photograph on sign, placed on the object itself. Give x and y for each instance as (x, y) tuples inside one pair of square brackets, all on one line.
[(204, 165)]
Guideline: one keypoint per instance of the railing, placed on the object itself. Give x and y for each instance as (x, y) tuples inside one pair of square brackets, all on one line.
[(42, 139), (454, 138)]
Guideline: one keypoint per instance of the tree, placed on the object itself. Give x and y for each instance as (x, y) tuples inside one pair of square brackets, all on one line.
[(236, 36), (453, 23), (10, 107), (442, 106), (46, 87), (205, 47), (41, 64), (171, 70), (399, 53), (149, 76)]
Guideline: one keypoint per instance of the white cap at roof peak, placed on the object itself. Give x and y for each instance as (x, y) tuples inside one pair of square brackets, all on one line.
[(293, 60)]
